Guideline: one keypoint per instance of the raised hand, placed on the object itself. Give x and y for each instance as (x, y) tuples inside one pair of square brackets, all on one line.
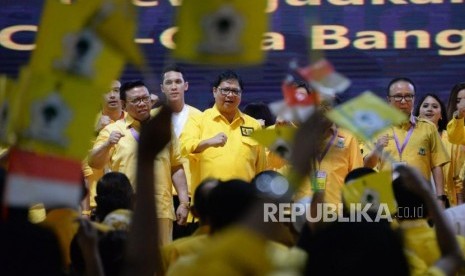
[(218, 140)]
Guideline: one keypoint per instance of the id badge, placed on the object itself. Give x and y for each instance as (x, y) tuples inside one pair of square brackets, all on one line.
[(321, 180)]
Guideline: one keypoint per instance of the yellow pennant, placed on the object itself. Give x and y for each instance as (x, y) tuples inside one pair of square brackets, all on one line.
[(366, 115), (221, 32), (278, 139), (84, 46), (58, 113), (374, 189)]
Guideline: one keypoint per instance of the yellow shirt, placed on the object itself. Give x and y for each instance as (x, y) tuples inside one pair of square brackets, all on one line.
[(123, 159), (241, 157), (238, 251), (185, 246), (343, 156), (456, 131), (424, 149), (420, 239), (63, 222), (453, 171), (93, 175)]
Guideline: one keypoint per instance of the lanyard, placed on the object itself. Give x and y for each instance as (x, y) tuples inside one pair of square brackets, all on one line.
[(134, 133), (400, 149), (328, 146)]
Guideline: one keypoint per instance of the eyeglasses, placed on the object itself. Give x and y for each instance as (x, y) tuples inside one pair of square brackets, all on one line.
[(226, 91), (137, 101), (398, 98)]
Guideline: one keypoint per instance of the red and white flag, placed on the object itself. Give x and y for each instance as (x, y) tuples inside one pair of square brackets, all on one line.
[(34, 178)]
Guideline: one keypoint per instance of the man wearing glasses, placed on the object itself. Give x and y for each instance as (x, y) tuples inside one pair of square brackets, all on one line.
[(415, 142), (220, 137), (115, 148)]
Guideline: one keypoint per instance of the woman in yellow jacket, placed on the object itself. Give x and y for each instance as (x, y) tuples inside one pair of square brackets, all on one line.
[(456, 132), (430, 107)]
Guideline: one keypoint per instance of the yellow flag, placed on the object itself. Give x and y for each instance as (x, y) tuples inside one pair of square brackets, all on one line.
[(58, 112), (374, 189), (82, 45), (9, 107), (366, 115), (277, 139), (221, 32)]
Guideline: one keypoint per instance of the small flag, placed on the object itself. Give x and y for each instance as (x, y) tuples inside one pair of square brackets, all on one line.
[(221, 32), (324, 78), (84, 46), (374, 189), (34, 178), (296, 107), (58, 115), (277, 139), (366, 115)]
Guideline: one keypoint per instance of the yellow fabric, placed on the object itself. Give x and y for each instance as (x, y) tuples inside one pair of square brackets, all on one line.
[(421, 240), (419, 268), (63, 223), (238, 251), (165, 231), (183, 247), (424, 150), (342, 157), (241, 157), (456, 131), (93, 175), (123, 159), (453, 171), (205, 43)]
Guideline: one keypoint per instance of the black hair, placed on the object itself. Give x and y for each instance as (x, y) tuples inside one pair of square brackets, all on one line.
[(114, 191), (260, 110), (201, 195), (399, 79), (408, 201), (111, 246), (357, 173), (228, 75), (442, 123), (229, 201), (170, 67), (356, 248), (128, 86), (452, 103)]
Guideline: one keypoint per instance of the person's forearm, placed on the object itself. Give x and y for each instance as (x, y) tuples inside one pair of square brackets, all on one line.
[(450, 251), (203, 145), (100, 156), (438, 177), (180, 184), (371, 160)]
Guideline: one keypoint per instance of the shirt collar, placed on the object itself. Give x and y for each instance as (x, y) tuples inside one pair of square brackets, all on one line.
[(131, 122), (239, 114)]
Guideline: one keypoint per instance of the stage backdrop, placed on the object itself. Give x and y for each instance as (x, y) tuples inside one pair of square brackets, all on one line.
[(369, 41)]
